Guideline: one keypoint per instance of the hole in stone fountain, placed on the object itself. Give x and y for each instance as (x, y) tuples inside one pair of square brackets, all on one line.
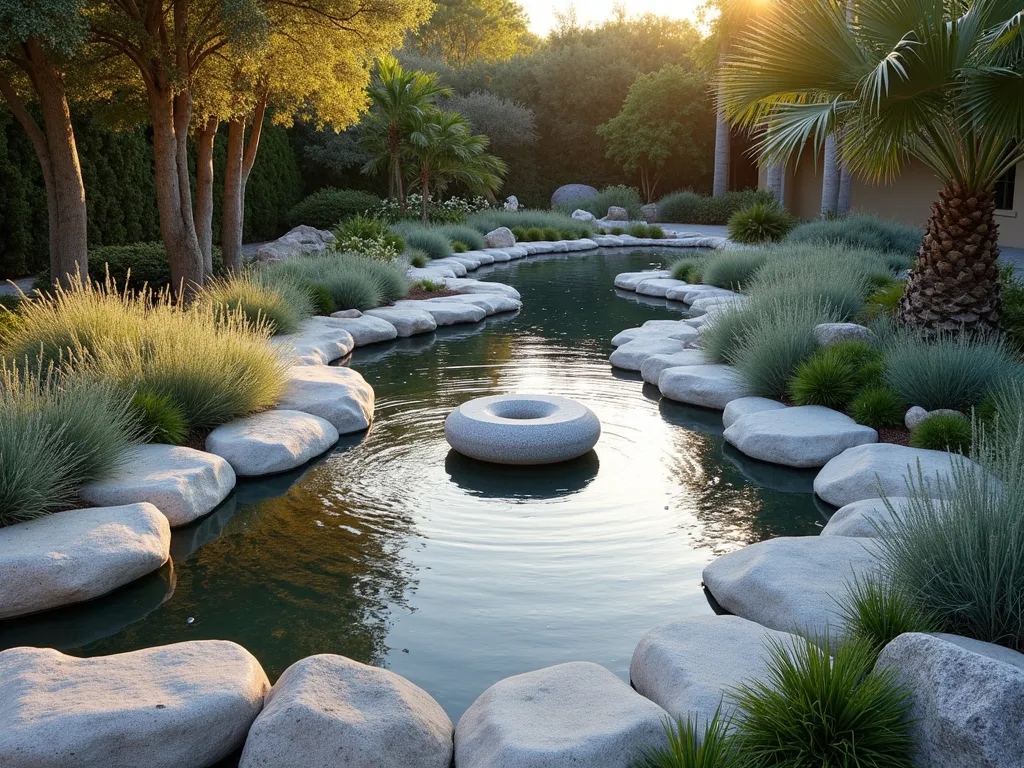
[(523, 410)]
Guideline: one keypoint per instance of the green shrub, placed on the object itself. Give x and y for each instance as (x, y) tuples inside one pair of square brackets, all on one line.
[(56, 433), (732, 269), (417, 257), (692, 746), (470, 237), (487, 221), (943, 432), (534, 235), (876, 612), (459, 247), (552, 235), (878, 407), (760, 223), (320, 298), (369, 237), (825, 379), (690, 208), (959, 556), (637, 230), (520, 234), (621, 196), (648, 231), (824, 707), (862, 232), (282, 307), (885, 300), (354, 282), (688, 270), (618, 231), (1011, 313), (329, 207), (9, 321), (954, 372), (431, 240), (161, 419), (866, 361)]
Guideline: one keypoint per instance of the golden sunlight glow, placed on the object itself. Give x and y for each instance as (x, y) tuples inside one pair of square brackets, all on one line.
[(542, 12)]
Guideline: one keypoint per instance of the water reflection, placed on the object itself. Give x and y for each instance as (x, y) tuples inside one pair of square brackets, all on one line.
[(497, 481)]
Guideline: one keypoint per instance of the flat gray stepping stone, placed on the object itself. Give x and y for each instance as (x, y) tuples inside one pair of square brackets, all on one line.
[(806, 436), (792, 584), (341, 396), (175, 706), (707, 303), (631, 355), (667, 329), (966, 699), (689, 293), (746, 406), (316, 343), (433, 272), (567, 715), (456, 266), (658, 286), (471, 263), (271, 442), (480, 286), (689, 667), (491, 303), (328, 711), (870, 471), (366, 329), (183, 483), (74, 556), (653, 366), (864, 519), (628, 281), (709, 386), (446, 312), (407, 322)]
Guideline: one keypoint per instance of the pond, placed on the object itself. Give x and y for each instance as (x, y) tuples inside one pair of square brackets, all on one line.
[(394, 551)]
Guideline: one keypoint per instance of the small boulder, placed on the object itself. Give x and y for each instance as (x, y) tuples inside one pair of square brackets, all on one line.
[(917, 415), (501, 237), (446, 312), (616, 213), (187, 705), (318, 342), (689, 667), (302, 239), (585, 216), (745, 406), (967, 699), (366, 329), (709, 386), (792, 584), (348, 314), (567, 715), (183, 483), (870, 471), (652, 368), (271, 442), (572, 193), (827, 334), (341, 396), (649, 212), (511, 203), (327, 711), (666, 329), (407, 322), (69, 557), (631, 355)]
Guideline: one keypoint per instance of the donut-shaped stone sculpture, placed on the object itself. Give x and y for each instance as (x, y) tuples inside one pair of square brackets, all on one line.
[(522, 429)]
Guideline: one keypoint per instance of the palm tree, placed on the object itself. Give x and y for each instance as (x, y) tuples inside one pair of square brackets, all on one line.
[(940, 81), (398, 98), (443, 150)]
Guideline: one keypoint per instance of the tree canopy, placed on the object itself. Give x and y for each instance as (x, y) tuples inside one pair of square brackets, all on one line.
[(461, 31)]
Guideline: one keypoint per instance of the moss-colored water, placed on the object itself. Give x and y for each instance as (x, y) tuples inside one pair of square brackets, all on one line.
[(394, 551)]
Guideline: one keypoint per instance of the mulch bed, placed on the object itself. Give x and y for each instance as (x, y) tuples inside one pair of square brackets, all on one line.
[(417, 293), (894, 435), (197, 439)]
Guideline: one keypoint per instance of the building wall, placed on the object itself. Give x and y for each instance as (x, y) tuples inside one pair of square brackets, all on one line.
[(908, 199)]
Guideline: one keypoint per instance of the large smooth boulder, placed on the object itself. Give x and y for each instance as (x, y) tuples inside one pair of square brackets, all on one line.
[(746, 406), (302, 239), (631, 355), (628, 281), (367, 329), (492, 303), (328, 711), (657, 286), (652, 368), (271, 442), (575, 714), (870, 471), (183, 483), (501, 237), (649, 212), (481, 286), (187, 705), (407, 322), (446, 312), (689, 667), (967, 699), (320, 340), (792, 584), (338, 395), (69, 557), (585, 216), (864, 519), (665, 329), (709, 386), (572, 193), (805, 436)]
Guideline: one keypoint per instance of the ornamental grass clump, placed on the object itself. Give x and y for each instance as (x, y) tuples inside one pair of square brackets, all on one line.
[(468, 236), (823, 705), (353, 282), (688, 270), (760, 223), (825, 379), (878, 407), (57, 432), (732, 269), (876, 612), (864, 232), (943, 432), (281, 307), (431, 240), (691, 745), (948, 372)]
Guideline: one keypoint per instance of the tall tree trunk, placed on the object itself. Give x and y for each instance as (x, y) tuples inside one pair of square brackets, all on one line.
[(426, 200), (204, 192), (722, 160), (845, 191), (241, 157), (775, 174), (830, 179), (170, 116), (57, 152), (954, 285)]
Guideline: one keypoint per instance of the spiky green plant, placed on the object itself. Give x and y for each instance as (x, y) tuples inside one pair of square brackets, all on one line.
[(943, 432), (692, 745), (876, 611), (878, 407), (282, 307), (760, 223)]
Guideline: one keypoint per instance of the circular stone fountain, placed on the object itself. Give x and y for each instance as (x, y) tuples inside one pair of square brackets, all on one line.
[(522, 429)]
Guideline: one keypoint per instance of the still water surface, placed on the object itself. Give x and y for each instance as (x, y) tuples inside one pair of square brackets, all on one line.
[(394, 551)]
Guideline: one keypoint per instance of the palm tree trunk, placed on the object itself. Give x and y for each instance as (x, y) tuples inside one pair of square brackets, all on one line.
[(426, 200), (845, 191), (830, 179), (722, 136), (954, 285), (774, 182)]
